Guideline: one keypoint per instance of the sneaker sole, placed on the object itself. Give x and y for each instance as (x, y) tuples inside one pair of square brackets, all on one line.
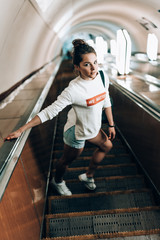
[(61, 194), (86, 184)]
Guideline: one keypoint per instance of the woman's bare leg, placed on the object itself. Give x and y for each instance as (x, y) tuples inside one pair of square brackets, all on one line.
[(69, 155), (104, 146)]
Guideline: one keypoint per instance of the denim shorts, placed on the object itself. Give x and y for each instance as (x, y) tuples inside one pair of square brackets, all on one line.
[(70, 139)]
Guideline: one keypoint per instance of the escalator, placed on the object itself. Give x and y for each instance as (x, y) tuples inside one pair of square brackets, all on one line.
[(123, 206)]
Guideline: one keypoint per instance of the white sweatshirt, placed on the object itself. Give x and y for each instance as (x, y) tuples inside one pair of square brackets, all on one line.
[(88, 98)]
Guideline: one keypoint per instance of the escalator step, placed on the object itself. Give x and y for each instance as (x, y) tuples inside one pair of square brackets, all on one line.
[(104, 171), (149, 235), (89, 151), (106, 161), (102, 224), (105, 185), (100, 201)]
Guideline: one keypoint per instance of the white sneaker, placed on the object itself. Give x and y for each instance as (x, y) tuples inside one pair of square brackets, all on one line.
[(61, 188), (88, 182)]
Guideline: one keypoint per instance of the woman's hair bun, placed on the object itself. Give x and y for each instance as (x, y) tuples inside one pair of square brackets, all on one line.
[(78, 42), (80, 47)]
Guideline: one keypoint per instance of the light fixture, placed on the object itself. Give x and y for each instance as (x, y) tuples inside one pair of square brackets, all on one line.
[(101, 49), (152, 46), (91, 43), (128, 51), (113, 47), (123, 52)]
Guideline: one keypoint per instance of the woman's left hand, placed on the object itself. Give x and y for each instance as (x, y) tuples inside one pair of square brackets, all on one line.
[(111, 133)]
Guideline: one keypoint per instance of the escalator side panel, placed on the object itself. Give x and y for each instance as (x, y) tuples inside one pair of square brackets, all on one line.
[(141, 130)]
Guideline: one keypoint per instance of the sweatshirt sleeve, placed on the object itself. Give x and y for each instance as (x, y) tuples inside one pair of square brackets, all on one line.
[(63, 100), (107, 102)]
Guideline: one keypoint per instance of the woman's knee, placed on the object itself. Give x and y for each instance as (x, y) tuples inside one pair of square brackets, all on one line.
[(107, 146), (110, 145)]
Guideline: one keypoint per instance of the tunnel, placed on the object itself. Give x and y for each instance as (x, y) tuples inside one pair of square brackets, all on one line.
[(36, 66)]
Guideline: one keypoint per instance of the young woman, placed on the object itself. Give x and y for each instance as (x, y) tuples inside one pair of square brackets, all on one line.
[(88, 97)]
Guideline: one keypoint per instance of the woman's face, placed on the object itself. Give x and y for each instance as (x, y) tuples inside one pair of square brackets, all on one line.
[(88, 67)]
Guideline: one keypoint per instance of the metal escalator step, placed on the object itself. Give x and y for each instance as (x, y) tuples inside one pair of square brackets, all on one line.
[(58, 151), (152, 236), (105, 185), (110, 184), (104, 224), (104, 171), (84, 161), (100, 201), (114, 150)]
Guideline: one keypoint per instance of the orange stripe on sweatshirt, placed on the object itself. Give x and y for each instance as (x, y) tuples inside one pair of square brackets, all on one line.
[(96, 99)]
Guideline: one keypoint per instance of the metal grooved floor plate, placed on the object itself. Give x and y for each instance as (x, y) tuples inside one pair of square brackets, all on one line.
[(109, 223), (105, 172), (101, 202), (109, 185)]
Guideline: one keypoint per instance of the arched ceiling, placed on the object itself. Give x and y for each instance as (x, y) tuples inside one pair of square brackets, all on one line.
[(105, 15), (31, 36)]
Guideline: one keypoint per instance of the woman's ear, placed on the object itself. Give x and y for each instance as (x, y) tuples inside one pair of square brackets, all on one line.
[(76, 68)]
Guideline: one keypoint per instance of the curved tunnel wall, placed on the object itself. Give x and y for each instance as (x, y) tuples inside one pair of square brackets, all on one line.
[(31, 38), (26, 43)]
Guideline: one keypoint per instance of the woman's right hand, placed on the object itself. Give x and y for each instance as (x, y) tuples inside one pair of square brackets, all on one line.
[(34, 122), (13, 135)]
